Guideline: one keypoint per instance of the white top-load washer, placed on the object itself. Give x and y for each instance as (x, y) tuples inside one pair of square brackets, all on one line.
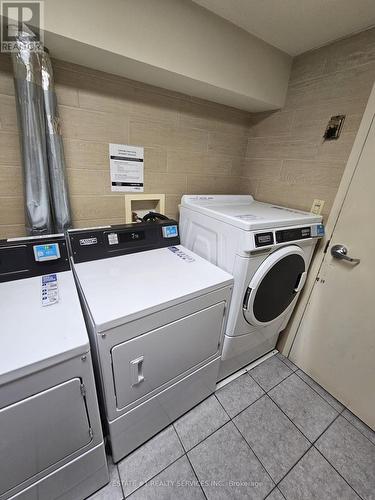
[(156, 315), (268, 250), (51, 442)]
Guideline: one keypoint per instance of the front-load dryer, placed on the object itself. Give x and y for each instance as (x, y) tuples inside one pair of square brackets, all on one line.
[(156, 315), (268, 250)]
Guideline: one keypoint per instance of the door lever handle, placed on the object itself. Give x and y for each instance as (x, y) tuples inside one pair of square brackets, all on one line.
[(301, 282), (136, 371), (340, 252)]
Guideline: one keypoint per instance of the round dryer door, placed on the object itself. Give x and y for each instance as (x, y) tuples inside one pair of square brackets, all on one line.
[(274, 286)]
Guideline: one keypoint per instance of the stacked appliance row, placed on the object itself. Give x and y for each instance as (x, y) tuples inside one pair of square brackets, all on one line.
[(156, 315)]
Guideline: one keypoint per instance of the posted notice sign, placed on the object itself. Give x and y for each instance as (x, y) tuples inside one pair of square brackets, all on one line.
[(126, 165)]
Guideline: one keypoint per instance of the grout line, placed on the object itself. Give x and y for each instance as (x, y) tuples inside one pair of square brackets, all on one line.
[(247, 407), (339, 412), (342, 477), (309, 448), (223, 407), (294, 426), (287, 416), (292, 467), (118, 474), (257, 383), (328, 74), (311, 443), (283, 360), (188, 459), (275, 488), (300, 430), (295, 372), (300, 370), (364, 435), (231, 419), (209, 435), (281, 169), (326, 429), (151, 478), (245, 369), (251, 404), (243, 437), (278, 383)]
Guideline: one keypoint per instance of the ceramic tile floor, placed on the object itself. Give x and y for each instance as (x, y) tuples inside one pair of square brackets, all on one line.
[(271, 433)]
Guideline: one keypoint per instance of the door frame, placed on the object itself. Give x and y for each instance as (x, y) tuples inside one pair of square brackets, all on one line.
[(286, 340)]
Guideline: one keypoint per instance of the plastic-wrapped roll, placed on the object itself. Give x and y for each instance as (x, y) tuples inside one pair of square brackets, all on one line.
[(55, 150), (27, 65)]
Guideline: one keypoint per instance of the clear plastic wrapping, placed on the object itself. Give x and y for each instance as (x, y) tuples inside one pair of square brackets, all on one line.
[(47, 208)]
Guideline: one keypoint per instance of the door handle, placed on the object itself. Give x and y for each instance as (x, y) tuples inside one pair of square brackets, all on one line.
[(340, 252), (301, 282), (136, 371)]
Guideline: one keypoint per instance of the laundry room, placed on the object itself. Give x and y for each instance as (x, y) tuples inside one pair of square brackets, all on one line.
[(185, 265)]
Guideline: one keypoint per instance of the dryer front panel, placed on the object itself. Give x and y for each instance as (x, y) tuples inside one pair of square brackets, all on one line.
[(275, 286), (145, 363)]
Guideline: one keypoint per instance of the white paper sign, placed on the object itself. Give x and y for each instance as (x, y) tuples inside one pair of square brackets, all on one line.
[(50, 290), (126, 165)]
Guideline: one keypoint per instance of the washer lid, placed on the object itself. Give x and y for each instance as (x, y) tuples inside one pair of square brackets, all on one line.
[(244, 212), (275, 285), (121, 289)]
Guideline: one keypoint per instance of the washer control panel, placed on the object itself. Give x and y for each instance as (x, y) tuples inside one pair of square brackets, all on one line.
[(264, 239), (33, 256), (292, 234), (269, 238)]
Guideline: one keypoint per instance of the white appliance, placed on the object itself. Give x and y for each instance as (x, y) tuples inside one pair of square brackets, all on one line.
[(51, 442), (268, 250), (156, 315)]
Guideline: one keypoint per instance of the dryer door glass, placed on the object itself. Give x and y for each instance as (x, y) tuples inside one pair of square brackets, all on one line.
[(275, 285)]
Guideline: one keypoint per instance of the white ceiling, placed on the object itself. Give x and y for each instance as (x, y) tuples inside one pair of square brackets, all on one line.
[(296, 26)]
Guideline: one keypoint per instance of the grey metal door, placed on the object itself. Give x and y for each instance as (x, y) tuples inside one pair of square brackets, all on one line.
[(146, 362)]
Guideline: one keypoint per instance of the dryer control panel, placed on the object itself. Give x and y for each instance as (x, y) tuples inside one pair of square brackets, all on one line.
[(111, 241)]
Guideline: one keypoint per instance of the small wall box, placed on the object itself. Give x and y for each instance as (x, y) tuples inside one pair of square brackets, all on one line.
[(140, 204)]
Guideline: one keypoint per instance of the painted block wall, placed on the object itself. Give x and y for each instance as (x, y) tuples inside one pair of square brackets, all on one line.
[(190, 145), (286, 160)]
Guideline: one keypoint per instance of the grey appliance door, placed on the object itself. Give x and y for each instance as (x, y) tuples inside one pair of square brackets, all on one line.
[(41, 430), (148, 361)]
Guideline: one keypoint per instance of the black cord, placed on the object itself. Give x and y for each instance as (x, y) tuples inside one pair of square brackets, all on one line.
[(154, 216)]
